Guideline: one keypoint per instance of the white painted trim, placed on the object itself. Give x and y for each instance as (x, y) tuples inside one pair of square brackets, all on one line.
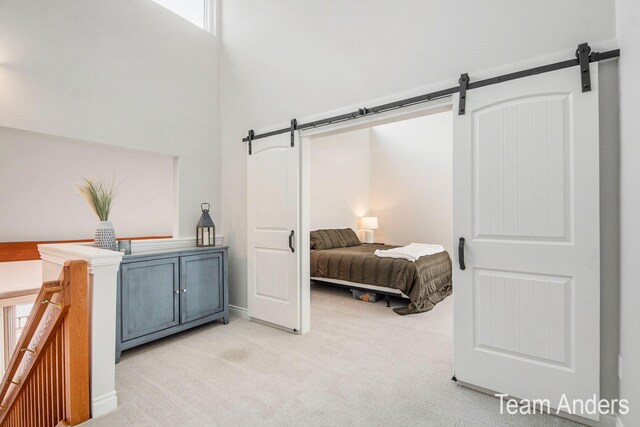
[(176, 243), (304, 178), (104, 404), (58, 253), (176, 197), (273, 325), (241, 312), (211, 16), (607, 420), (22, 299), (401, 114), (103, 278)]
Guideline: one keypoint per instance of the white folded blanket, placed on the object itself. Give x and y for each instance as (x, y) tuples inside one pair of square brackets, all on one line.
[(411, 252)]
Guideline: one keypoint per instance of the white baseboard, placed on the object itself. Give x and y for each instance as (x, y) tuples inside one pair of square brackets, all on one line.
[(104, 404), (243, 313), (239, 311), (608, 420)]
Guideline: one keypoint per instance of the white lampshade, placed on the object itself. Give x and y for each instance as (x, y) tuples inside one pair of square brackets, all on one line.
[(369, 222)]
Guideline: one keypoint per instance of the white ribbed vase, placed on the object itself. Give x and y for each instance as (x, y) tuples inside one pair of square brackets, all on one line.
[(106, 236)]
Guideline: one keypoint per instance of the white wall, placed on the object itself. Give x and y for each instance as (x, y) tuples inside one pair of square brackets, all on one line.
[(330, 54), (38, 179), (411, 187), (628, 15), (20, 276), (125, 73), (340, 179)]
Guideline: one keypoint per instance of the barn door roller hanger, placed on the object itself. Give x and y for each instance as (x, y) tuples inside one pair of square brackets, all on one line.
[(584, 56)]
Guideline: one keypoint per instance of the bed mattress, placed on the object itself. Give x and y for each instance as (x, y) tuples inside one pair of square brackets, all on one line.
[(425, 282)]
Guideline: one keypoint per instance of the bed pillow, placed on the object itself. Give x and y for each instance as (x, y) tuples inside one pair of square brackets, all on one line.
[(333, 238), (350, 237)]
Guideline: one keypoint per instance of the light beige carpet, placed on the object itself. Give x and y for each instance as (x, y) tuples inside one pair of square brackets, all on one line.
[(361, 365)]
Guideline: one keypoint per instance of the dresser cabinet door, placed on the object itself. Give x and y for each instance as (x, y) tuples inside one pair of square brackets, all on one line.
[(150, 297), (201, 286)]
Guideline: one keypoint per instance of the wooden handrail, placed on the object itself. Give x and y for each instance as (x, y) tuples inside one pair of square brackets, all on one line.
[(47, 380), (28, 251)]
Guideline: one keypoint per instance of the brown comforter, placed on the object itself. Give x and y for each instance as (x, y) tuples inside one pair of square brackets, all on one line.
[(426, 281)]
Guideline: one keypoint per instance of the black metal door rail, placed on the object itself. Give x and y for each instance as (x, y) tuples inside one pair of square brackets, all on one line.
[(584, 56)]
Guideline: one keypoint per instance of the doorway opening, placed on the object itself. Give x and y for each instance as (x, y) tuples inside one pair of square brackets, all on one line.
[(383, 184)]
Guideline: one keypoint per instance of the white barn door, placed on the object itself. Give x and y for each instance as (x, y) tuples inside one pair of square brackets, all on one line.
[(273, 214), (526, 200)]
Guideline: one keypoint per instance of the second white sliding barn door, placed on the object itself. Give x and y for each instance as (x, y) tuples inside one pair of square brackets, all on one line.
[(273, 216), (526, 201)]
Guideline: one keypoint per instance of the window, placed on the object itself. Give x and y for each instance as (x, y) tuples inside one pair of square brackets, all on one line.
[(198, 12), (21, 316), (14, 319)]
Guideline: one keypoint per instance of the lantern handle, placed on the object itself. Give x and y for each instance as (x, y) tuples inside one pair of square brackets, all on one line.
[(203, 209)]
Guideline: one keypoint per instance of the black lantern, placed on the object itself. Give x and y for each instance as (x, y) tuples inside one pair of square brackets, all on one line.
[(206, 229)]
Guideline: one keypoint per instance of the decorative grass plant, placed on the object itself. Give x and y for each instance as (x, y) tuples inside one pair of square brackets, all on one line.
[(99, 195)]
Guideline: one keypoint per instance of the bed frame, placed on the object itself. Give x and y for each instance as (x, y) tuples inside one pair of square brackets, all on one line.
[(387, 292)]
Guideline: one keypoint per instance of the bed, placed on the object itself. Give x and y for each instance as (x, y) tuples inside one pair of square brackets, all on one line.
[(338, 257)]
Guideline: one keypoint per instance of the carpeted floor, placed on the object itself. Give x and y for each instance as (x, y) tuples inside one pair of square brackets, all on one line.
[(361, 364)]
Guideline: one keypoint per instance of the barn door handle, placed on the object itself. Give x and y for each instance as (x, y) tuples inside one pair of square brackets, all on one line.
[(291, 241), (461, 253)]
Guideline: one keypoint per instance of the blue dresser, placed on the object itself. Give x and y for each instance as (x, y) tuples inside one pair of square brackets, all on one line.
[(163, 293)]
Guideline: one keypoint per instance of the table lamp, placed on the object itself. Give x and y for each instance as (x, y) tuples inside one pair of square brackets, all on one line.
[(367, 225)]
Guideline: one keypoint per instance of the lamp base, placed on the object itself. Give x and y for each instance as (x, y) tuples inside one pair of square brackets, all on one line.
[(365, 236)]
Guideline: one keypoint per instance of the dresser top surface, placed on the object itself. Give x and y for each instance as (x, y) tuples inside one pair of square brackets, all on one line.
[(144, 254)]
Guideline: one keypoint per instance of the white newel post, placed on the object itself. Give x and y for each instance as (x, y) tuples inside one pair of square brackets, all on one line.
[(103, 275)]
